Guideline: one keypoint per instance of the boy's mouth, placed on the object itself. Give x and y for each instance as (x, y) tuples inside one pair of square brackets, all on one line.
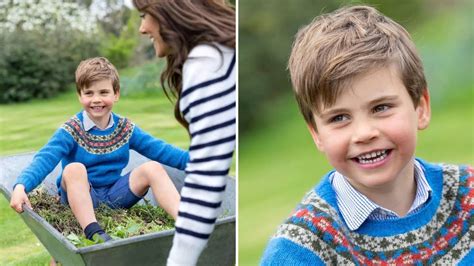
[(372, 157), (97, 108)]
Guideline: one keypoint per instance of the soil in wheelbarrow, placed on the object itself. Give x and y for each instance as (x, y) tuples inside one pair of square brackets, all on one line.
[(118, 223)]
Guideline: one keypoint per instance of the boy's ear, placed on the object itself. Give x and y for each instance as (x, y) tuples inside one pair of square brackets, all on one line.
[(117, 96), (424, 110), (315, 137)]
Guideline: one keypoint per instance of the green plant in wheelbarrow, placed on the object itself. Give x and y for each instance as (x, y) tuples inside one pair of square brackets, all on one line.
[(118, 223)]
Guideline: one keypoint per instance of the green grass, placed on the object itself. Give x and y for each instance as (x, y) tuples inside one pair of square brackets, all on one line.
[(18, 245), (279, 163)]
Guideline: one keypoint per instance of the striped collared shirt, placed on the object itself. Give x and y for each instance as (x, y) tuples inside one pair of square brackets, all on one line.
[(89, 124), (356, 208)]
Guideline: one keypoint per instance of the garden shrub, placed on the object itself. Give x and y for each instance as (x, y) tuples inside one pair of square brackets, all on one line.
[(41, 44), (37, 64), (120, 49)]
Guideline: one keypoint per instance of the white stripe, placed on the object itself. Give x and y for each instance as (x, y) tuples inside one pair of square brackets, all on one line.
[(207, 91), (204, 195), (197, 209), (213, 120), (194, 226), (211, 181), (218, 103), (218, 165), (222, 148), (212, 135)]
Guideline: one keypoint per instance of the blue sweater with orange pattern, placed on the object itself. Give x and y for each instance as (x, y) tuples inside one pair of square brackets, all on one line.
[(104, 153)]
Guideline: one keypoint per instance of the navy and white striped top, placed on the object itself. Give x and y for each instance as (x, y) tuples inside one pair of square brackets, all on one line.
[(208, 103), (356, 207)]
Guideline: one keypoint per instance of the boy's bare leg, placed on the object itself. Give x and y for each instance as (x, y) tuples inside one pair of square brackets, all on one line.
[(52, 262), (152, 174), (78, 193)]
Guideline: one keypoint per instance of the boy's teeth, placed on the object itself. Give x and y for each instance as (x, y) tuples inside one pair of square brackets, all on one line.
[(372, 157)]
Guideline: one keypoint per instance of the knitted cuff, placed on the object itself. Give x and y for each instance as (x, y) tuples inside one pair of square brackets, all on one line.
[(185, 250)]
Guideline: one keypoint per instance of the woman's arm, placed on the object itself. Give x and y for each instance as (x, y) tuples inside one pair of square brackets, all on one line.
[(208, 104)]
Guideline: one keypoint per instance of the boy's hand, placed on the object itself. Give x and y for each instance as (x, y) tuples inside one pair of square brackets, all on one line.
[(19, 198)]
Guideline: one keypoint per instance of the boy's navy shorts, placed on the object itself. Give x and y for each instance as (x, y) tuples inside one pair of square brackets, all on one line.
[(117, 195)]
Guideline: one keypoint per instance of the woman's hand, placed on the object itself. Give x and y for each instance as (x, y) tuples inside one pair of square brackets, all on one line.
[(19, 198)]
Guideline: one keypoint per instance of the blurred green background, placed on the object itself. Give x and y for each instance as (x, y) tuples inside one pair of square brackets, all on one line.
[(278, 162)]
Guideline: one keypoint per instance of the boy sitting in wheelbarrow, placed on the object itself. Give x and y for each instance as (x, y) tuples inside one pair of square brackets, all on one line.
[(93, 147)]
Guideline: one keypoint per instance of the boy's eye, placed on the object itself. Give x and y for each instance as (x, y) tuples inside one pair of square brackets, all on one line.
[(88, 93), (338, 118), (380, 108), (142, 15)]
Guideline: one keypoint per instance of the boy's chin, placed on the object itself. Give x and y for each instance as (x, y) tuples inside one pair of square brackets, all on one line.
[(98, 115)]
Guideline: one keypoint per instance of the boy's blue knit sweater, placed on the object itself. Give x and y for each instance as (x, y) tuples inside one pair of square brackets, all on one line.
[(104, 153), (442, 232)]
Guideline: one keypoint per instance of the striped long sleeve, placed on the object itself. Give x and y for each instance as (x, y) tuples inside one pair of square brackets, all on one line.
[(208, 103)]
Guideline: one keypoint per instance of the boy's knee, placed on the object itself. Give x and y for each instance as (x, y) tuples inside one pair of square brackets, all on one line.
[(152, 168), (75, 170)]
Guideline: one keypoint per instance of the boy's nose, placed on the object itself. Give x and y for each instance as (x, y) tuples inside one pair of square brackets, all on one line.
[(364, 132), (96, 98)]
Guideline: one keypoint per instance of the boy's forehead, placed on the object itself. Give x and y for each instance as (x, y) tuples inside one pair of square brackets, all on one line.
[(99, 84), (363, 87)]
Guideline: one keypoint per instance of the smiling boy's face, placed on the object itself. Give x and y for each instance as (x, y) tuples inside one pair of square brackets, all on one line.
[(369, 134), (98, 100)]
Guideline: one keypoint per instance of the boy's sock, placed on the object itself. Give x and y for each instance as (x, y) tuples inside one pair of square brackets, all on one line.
[(94, 228)]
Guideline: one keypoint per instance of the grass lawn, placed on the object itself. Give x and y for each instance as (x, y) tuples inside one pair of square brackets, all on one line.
[(27, 127), (279, 163)]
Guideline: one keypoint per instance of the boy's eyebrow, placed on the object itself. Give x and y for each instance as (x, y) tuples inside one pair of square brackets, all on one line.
[(383, 99), (330, 112)]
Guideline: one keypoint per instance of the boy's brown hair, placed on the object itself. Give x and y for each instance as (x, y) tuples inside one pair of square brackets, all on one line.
[(96, 69), (329, 52)]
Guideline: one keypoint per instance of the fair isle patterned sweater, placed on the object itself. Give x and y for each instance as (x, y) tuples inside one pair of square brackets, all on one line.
[(441, 233), (208, 104), (104, 153)]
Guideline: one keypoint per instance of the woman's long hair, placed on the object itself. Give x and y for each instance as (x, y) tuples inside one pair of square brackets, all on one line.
[(183, 25)]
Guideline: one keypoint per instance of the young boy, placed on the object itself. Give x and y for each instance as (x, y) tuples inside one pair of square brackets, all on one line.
[(360, 86), (93, 147)]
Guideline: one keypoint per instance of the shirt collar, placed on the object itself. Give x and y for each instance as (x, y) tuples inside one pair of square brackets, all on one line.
[(89, 124), (356, 207)]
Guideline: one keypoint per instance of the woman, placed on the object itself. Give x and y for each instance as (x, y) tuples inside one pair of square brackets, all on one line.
[(197, 38)]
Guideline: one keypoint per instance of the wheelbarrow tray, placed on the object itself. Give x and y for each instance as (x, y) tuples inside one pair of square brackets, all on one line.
[(148, 249)]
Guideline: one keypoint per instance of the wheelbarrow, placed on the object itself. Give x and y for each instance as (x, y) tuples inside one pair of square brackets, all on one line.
[(148, 249)]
